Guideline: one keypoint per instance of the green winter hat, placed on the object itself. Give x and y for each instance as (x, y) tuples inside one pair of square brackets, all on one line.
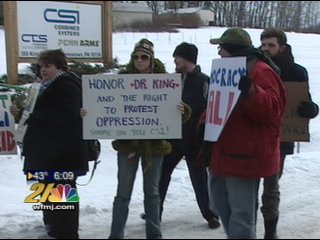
[(234, 36)]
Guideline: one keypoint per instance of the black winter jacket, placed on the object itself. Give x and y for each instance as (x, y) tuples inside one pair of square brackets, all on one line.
[(292, 72), (193, 95), (53, 141)]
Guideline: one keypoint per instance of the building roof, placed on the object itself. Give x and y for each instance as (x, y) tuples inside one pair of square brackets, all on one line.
[(139, 7), (182, 10)]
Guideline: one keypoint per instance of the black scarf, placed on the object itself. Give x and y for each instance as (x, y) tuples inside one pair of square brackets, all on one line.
[(255, 53)]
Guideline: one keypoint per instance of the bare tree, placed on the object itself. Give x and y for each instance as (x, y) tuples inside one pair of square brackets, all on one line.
[(288, 15), (310, 16), (242, 14), (173, 5), (296, 17), (194, 3), (155, 6), (251, 13), (270, 18)]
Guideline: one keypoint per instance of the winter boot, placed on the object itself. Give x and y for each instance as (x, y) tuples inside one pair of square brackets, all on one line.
[(270, 228), (214, 223)]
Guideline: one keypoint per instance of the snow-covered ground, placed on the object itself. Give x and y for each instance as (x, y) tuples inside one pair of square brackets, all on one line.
[(300, 183)]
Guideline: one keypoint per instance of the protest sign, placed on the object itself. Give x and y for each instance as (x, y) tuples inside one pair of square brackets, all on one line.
[(8, 144), (223, 93), (131, 106)]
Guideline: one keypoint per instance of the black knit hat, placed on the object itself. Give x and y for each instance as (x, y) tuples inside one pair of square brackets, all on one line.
[(187, 51)]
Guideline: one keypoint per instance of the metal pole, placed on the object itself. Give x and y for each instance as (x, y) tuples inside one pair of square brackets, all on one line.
[(298, 147)]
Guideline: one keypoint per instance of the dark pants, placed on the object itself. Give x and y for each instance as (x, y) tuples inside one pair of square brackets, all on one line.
[(63, 221), (198, 176), (271, 193)]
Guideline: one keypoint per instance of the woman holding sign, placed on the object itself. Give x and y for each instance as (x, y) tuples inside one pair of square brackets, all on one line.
[(151, 153)]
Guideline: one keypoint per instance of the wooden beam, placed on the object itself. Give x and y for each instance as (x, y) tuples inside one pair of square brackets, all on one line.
[(11, 37), (107, 30)]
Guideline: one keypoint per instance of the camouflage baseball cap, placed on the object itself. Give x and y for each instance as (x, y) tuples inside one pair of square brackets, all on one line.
[(235, 36)]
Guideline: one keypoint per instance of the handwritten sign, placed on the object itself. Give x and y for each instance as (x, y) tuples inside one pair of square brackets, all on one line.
[(294, 127), (131, 106), (8, 144), (28, 109), (223, 94)]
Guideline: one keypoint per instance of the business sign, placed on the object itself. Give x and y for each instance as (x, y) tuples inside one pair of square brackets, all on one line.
[(8, 144), (76, 28), (132, 106), (223, 94)]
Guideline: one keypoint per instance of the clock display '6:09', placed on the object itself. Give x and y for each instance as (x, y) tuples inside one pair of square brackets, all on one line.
[(58, 176)]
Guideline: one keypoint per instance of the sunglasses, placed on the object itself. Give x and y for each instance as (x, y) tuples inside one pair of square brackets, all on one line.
[(142, 57)]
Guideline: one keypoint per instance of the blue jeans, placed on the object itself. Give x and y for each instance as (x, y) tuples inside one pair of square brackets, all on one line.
[(235, 201), (212, 207), (127, 169)]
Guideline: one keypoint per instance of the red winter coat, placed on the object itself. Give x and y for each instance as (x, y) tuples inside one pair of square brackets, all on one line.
[(249, 143)]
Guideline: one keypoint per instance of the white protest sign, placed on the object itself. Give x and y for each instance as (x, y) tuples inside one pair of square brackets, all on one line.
[(28, 109), (132, 106), (223, 93), (8, 144)]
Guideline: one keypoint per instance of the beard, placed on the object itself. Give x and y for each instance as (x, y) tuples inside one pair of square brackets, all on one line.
[(284, 60)]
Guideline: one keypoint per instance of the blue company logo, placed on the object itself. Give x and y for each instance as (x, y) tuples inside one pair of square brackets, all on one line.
[(35, 38), (61, 16)]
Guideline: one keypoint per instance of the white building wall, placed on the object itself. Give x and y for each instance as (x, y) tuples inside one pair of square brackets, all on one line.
[(206, 16), (126, 13)]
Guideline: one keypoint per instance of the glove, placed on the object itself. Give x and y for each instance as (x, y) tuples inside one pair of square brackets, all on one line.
[(27, 121), (30, 119), (244, 85), (308, 109)]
